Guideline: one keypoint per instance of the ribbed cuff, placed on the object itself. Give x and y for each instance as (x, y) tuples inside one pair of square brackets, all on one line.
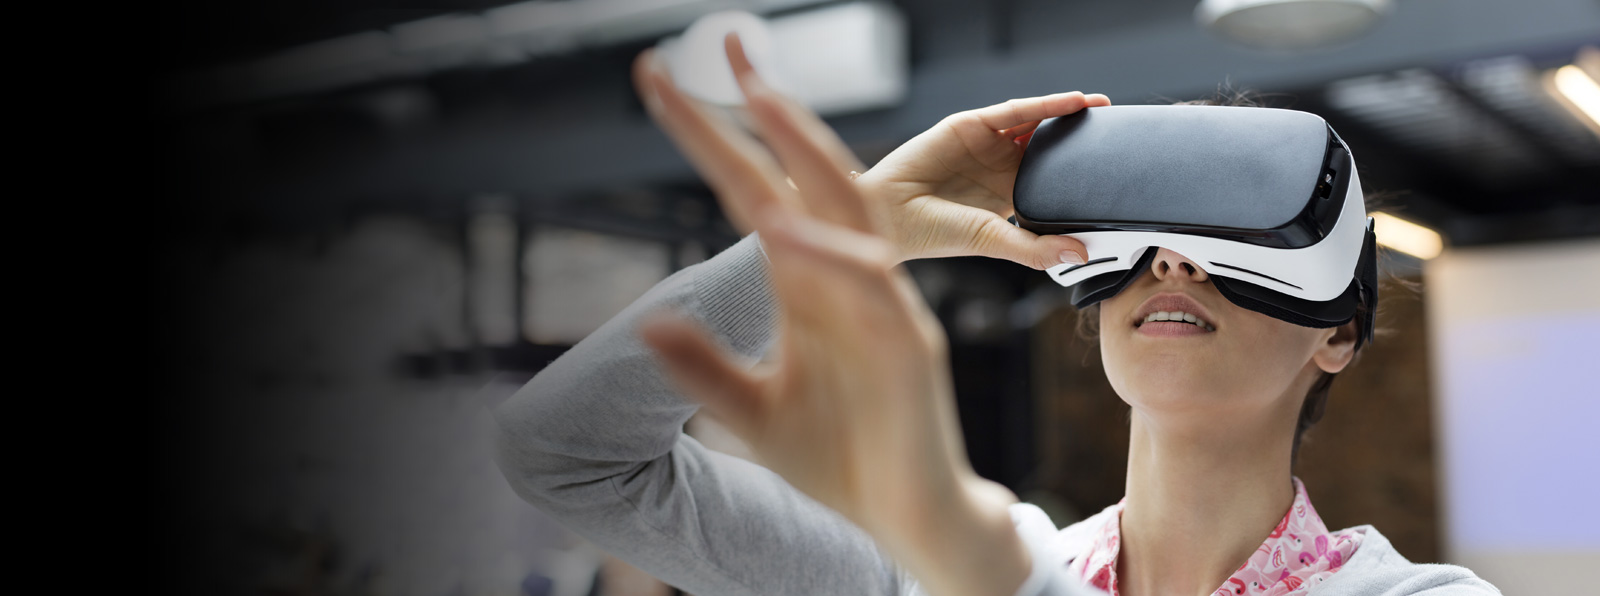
[(735, 297)]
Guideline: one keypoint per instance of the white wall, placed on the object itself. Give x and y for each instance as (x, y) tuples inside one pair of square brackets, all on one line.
[(1515, 332)]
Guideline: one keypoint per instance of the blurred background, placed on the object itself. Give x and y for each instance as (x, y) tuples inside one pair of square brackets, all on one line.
[(377, 219)]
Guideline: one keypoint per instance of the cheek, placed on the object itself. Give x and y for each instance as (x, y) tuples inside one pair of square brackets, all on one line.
[(1279, 350), (1270, 355)]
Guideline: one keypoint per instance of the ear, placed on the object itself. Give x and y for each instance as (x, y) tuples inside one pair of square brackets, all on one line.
[(1337, 350)]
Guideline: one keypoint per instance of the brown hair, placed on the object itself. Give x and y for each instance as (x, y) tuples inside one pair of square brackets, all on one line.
[(1316, 400)]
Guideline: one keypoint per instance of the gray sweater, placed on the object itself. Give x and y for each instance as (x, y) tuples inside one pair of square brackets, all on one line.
[(596, 440)]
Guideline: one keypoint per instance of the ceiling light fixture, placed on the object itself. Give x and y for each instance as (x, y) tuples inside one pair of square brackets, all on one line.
[(1407, 237), (1574, 87), (1290, 24)]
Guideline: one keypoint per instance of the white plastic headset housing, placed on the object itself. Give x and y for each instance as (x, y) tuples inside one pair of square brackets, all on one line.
[(1305, 273)]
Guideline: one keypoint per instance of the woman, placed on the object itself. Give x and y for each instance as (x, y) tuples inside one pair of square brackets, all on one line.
[(854, 406)]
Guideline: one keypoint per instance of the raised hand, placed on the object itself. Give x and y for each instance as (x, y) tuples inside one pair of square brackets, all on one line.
[(856, 409), (947, 192)]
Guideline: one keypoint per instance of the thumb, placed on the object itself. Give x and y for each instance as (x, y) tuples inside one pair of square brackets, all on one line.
[(1000, 239)]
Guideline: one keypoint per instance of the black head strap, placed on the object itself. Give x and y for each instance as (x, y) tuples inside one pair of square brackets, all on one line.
[(1367, 274)]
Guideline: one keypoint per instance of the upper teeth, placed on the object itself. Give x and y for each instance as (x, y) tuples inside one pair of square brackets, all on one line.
[(1178, 316)]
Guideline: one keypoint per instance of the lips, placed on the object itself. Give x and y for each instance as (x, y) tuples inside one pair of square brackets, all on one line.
[(1173, 314), (1176, 317)]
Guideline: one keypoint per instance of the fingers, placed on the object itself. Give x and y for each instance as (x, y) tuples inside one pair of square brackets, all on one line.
[(1017, 112), (1020, 134), (812, 154), (803, 116), (851, 251), (832, 275), (855, 296), (983, 129), (1016, 132), (998, 238), (742, 173), (701, 369)]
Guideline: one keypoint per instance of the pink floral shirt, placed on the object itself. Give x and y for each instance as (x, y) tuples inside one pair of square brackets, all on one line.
[(1298, 554)]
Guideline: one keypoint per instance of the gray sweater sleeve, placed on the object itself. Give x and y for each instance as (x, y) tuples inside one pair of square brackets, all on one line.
[(596, 440)]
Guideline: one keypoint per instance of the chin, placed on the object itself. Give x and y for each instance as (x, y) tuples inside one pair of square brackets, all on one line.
[(1171, 380), (1155, 388)]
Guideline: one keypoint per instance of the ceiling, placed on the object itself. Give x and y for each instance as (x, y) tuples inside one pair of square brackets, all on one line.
[(1442, 104)]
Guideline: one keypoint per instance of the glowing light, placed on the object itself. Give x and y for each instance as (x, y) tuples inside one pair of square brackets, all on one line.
[(1291, 24), (1407, 237), (1580, 91)]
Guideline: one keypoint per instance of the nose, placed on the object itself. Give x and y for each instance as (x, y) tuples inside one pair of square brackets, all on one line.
[(1169, 264)]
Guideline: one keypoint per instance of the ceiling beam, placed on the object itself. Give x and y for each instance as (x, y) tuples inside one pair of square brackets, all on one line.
[(593, 145)]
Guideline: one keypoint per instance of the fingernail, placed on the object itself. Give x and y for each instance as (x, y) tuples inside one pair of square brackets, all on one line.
[(1071, 258)]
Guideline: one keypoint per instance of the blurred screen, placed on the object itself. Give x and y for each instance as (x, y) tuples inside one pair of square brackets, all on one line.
[(1514, 333)]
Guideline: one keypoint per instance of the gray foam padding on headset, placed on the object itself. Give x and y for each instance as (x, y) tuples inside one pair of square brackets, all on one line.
[(1232, 167)]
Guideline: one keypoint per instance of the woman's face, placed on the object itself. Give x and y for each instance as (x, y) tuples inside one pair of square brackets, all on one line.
[(1227, 364)]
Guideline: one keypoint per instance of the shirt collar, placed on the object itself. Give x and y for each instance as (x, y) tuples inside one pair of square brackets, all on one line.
[(1299, 553)]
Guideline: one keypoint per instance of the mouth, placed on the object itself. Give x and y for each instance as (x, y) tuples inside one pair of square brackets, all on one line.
[(1172, 314), (1176, 316)]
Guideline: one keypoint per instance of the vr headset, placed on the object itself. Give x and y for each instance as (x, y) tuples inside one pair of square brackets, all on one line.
[(1266, 201)]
